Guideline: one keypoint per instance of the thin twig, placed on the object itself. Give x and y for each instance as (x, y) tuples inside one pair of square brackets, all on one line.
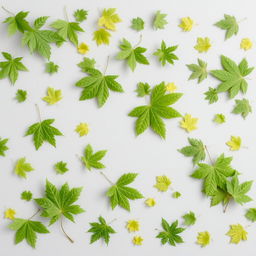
[(35, 214), (106, 178), (226, 206), (112, 221), (106, 65), (38, 111), (66, 13), (67, 236), (11, 13), (208, 154), (138, 41)]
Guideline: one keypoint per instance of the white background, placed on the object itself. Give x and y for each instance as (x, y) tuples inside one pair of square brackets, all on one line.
[(113, 130)]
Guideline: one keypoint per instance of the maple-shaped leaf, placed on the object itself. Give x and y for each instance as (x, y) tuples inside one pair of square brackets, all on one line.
[(22, 167), (237, 191), (17, 23), (26, 195), (219, 119), (38, 40), (27, 229), (109, 19), (189, 219), (43, 131), (137, 24), (232, 76), (162, 183), (237, 233), (120, 194), (165, 54), (171, 233), (199, 71), (203, 238), (143, 89), (101, 36), (80, 15), (97, 85), (230, 24), (53, 96), (91, 160), (3, 146), (251, 214), (234, 143), (132, 55), (51, 67), (67, 30), (101, 229), (57, 204), (11, 67), (21, 95), (214, 175), (211, 95), (195, 150), (86, 64), (61, 167), (151, 115), (242, 107), (159, 20)]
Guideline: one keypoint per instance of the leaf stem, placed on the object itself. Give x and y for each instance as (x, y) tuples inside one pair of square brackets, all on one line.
[(140, 39), (38, 210), (112, 221), (242, 20), (106, 65), (66, 13), (11, 13), (106, 178), (62, 228), (38, 111), (208, 154), (226, 206)]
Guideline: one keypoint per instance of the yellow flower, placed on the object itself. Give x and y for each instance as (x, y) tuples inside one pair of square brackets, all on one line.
[(234, 143), (203, 238), (150, 202), (203, 44), (246, 44), (171, 87), (133, 225), (186, 24), (137, 240), (83, 48), (10, 214), (82, 129), (189, 123)]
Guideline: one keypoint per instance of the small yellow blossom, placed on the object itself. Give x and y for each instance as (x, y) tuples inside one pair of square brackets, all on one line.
[(246, 44), (171, 87), (203, 44), (137, 240), (186, 24), (10, 214), (150, 202), (83, 48), (82, 129), (133, 225), (189, 123)]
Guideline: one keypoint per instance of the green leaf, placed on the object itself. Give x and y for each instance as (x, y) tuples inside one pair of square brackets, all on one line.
[(214, 175), (87, 64), (251, 214), (195, 150), (165, 54), (151, 115), (132, 55), (219, 119), (80, 15), (39, 40), (199, 71), (61, 167), (27, 229), (171, 233), (189, 219), (137, 24), (22, 167), (232, 76), (211, 95), (230, 24), (120, 193), (101, 36), (11, 67), (92, 160), (43, 131), (17, 23), (21, 95), (26, 195), (242, 107), (97, 85), (67, 30), (220, 196), (3, 146), (159, 20), (51, 67), (101, 230), (60, 203), (143, 89)]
